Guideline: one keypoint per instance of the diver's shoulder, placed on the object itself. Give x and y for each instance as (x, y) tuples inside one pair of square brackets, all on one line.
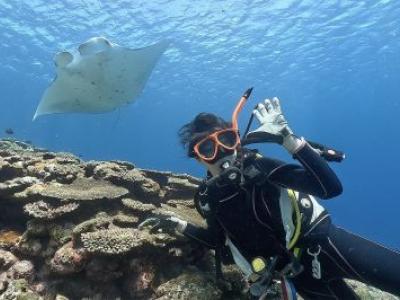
[(253, 155)]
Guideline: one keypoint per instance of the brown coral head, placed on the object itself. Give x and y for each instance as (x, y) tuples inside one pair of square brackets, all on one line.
[(68, 260), (9, 238)]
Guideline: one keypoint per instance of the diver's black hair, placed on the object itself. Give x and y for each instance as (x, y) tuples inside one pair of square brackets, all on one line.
[(202, 125)]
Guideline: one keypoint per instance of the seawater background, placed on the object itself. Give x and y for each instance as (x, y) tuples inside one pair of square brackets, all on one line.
[(334, 65)]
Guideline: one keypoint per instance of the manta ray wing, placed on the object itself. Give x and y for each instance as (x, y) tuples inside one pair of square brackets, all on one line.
[(99, 77)]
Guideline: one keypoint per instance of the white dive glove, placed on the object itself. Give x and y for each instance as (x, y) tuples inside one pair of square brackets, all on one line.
[(274, 127), (167, 224)]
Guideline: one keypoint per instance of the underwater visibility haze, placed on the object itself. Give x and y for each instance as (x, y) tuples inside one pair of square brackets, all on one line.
[(334, 65)]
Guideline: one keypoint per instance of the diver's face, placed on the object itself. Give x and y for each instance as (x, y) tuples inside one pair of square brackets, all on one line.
[(223, 157), (217, 150)]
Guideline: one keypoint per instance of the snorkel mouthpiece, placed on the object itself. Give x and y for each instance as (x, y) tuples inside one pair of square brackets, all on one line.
[(247, 93), (225, 165), (229, 173)]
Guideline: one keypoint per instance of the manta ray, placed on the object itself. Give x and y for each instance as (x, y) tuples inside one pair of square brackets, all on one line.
[(98, 77)]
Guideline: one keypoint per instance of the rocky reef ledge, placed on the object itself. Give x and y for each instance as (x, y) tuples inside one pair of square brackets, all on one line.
[(68, 230)]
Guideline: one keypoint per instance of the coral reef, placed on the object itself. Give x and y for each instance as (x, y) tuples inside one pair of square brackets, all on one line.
[(9, 238), (68, 260), (136, 205), (69, 230), (112, 241), (81, 189), (7, 259), (72, 224), (189, 285), (17, 184), (43, 210)]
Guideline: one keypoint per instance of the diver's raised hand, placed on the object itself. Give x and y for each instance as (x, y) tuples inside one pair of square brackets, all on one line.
[(274, 128), (163, 223), (272, 120)]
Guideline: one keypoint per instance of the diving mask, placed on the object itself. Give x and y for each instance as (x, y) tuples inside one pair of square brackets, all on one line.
[(207, 148), (226, 139)]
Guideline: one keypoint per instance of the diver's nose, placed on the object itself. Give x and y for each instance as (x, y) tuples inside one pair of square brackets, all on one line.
[(223, 150)]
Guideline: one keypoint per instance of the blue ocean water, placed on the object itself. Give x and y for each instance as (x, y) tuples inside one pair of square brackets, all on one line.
[(333, 63)]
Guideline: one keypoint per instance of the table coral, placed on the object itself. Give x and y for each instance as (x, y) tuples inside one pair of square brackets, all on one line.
[(112, 241), (44, 210)]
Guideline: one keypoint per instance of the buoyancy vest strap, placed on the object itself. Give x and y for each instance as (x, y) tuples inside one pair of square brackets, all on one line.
[(218, 253), (239, 259), (297, 252), (288, 290), (295, 205)]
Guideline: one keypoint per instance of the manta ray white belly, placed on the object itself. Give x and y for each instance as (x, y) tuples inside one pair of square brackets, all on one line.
[(99, 77)]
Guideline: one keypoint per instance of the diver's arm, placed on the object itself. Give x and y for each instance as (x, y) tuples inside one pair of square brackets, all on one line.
[(171, 224), (204, 236), (314, 177)]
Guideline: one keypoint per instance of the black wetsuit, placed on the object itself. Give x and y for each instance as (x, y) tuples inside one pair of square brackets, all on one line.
[(251, 217)]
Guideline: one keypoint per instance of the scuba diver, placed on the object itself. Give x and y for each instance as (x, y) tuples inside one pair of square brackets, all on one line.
[(263, 214)]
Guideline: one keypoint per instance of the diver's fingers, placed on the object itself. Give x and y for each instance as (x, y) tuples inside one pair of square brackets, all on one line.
[(149, 222), (258, 116), (268, 105), (277, 105), (262, 110), (168, 213), (155, 228)]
